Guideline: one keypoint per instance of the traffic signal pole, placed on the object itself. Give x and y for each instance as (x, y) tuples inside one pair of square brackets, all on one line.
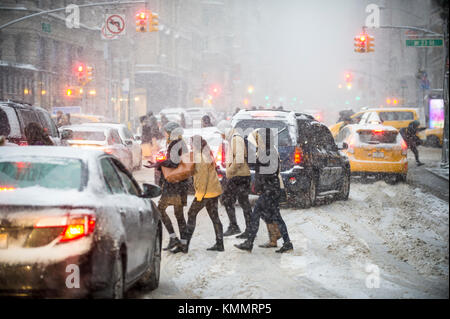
[(62, 9)]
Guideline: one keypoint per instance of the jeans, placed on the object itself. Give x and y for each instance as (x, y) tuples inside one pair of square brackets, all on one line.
[(237, 188), (212, 209), (267, 207)]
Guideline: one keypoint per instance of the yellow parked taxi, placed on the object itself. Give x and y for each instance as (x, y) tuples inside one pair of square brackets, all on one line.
[(398, 117), (432, 136), (335, 128), (375, 150)]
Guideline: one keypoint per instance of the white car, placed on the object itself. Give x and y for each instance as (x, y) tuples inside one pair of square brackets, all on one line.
[(98, 137), (131, 142)]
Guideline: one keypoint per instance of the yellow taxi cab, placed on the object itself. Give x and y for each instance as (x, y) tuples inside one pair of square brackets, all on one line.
[(335, 128), (398, 117), (432, 136), (375, 150)]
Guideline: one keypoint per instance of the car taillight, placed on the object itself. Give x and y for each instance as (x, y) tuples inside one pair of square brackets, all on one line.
[(108, 151), (23, 143), (404, 147), (6, 188), (220, 157), (160, 157), (298, 156), (74, 226), (377, 132), (351, 146)]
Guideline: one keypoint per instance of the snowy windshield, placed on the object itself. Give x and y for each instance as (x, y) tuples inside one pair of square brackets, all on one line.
[(44, 172), (284, 137), (375, 137)]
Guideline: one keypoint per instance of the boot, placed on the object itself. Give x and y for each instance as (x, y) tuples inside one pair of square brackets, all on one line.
[(180, 248), (244, 235), (246, 245), (217, 247), (420, 163), (274, 235), (232, 230), (287, 246), (172, 243)]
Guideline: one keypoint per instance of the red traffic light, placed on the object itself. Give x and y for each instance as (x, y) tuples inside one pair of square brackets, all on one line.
[(215, 90)]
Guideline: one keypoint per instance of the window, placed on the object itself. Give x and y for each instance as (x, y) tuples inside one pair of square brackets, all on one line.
[(27, 117), (328, 140), (114, 138), (53, 173), (343, 135), (48, 124), (372, 137), (130, 185), (87, 135), (284, 134), (9, 122), (112, 180)]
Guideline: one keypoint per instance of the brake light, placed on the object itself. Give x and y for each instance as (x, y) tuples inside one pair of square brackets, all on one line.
[(220, 157), (377, 131), (23, 143), (74, 226), (298, 156), (108, 151), (351, 146), (160, 157), (404, 147), (7, 189)]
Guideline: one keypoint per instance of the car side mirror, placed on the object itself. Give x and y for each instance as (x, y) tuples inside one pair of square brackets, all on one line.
[(151, 191), (66, 135), (342, 146)]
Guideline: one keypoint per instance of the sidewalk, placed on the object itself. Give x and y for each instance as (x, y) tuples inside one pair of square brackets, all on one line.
[(438, 171)]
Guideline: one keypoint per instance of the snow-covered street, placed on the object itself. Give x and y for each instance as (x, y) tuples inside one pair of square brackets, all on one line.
[(396, 231)]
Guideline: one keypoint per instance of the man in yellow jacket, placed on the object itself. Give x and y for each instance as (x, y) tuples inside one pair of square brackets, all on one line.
[(237, 179)]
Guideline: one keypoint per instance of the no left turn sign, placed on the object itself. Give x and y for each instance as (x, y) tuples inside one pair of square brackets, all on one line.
[(115, 23)]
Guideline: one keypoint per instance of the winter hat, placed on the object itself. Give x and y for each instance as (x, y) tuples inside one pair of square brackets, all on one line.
[(171, 126), (224, 127)]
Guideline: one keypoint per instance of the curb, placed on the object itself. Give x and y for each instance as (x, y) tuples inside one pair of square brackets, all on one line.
[(436, 174)]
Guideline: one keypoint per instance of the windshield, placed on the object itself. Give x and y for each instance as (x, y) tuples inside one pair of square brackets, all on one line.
[(284, 137), (374, 137), (43, 172)]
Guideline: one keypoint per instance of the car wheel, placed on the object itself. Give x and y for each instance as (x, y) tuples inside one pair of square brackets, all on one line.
[(345, 187), (433, 141), (118, 280), (150, 279)]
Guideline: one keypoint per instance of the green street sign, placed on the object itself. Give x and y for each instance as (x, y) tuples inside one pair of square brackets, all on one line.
[(425, 43), (46, 27)]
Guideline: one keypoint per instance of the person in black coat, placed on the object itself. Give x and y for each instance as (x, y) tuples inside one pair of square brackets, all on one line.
[(173, 194), (409, 134), (268, 186)]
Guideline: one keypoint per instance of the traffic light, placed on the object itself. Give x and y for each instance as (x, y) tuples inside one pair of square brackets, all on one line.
[(80, 71), (215, 90), (348, 77), (250, 89), (154, 22), (370, 44), (361, 43), (89, 76), (141, 21)]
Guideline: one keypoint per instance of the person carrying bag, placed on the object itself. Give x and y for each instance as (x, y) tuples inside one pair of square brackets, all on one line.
[(207, 191)]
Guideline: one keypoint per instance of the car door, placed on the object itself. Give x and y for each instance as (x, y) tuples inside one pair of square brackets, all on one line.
[(317, 153), (141, 207), (121, 205), (334, 160)]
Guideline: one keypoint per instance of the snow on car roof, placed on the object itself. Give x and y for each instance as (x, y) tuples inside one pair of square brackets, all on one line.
[(50, 151), (87, 127), (392, 109), (372, 127)]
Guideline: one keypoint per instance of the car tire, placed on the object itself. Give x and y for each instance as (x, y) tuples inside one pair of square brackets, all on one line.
[(150, 279), (118, 279), (344, 190), (433, 141)]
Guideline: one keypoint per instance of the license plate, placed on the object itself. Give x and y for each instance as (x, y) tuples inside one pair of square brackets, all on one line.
[(378, 154), (3, 241)]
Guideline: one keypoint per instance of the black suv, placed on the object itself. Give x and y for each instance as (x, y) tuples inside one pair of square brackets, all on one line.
[(15, 116), (325, 170), (311, 164)]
